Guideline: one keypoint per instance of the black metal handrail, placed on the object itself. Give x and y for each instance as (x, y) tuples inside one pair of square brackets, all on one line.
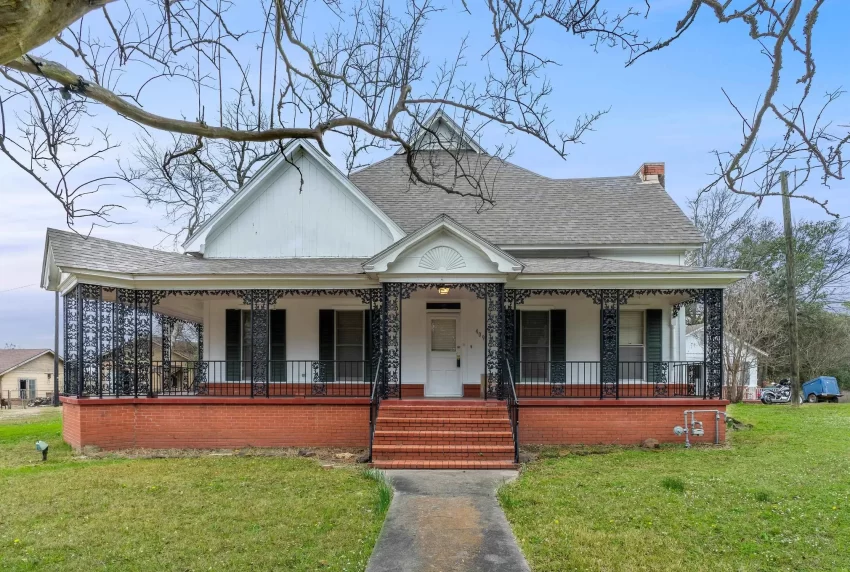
[(513, 408), (375, 403)]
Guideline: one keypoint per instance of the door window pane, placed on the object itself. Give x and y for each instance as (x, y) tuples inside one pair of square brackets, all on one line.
[(443, 335)]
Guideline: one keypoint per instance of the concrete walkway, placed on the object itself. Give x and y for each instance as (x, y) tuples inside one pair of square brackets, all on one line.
[(442, 521)]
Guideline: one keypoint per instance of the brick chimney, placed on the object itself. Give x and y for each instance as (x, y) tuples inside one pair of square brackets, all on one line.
[(651, 173)]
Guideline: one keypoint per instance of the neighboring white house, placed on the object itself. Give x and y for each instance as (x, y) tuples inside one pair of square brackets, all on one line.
[(751, 354)]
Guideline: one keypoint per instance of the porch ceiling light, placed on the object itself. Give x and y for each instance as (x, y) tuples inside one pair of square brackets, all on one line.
[(443, 291)]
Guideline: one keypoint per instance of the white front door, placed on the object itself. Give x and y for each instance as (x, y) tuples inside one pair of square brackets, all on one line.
[(443, 357)]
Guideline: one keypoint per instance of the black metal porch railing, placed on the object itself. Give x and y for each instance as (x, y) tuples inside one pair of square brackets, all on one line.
[(226, 378), (581, 379), (662, 379), (558, 379)]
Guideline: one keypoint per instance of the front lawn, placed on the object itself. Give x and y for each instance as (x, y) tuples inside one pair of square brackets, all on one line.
[(777, 499), (202, 513)]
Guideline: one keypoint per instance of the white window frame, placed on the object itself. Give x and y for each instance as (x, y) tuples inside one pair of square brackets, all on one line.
[(642, 345)]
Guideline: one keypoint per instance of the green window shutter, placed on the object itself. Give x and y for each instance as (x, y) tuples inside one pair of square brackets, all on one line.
[(558, 345), (277, 344), (232, 344), (326, 341), (653, 344)]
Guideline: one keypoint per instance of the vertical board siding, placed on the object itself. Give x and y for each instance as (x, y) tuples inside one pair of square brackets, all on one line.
[(322, 219)]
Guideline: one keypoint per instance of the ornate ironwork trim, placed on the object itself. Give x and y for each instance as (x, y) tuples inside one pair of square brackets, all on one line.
[(494, 339), (72, 348), (713, 341), (391, 322), (260, 301), (609, 347), (408, 288)]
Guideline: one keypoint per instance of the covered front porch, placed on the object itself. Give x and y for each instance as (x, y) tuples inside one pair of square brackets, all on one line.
[(394, 340)]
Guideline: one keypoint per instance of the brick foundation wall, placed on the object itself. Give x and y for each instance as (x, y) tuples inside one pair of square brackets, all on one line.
[(620, 422), (213, 423)]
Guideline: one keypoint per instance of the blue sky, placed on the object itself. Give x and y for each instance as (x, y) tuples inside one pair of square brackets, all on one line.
[(668, 107)]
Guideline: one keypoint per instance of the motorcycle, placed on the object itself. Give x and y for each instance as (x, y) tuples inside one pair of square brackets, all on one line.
[(777, 393)]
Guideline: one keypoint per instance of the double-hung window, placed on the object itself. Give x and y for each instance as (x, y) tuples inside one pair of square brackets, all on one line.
[(632, 344), (534, 344), (349, 345)]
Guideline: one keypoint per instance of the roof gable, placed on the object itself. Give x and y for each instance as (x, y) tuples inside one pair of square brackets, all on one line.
[(296, 192), (695, 331), (15, 358), (443, 246), (442, 132)]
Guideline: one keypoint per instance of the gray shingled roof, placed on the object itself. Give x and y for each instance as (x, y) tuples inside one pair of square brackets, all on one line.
[(71, 250), (531, 209), (589, 264), (9, 359)]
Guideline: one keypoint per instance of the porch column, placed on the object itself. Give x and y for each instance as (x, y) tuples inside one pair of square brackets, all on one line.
[(376, 330), (89, 339), (167, 325), (199, 330), (391, 334), (133, 336), (712, 300), (260, 302), (71, 309), (512, 297), (609, 344), (494, 339)]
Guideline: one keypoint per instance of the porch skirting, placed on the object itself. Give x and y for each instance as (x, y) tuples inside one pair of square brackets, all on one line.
[(620, 422), (224, 423), (215, 422)]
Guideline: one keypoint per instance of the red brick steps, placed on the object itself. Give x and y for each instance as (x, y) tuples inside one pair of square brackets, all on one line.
[(428, 434), (467, 465)]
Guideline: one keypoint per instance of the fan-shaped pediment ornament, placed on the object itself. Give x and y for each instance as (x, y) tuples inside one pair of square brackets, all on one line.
[(442, 258)]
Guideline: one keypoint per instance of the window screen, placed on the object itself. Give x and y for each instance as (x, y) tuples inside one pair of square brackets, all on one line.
[(443, 335)]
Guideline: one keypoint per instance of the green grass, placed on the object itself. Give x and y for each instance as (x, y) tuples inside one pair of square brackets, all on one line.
[(778, 498), (201, 513)]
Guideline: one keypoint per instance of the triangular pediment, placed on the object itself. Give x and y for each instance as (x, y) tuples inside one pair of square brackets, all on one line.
[(297, 205), (441, 132), (443, 247)]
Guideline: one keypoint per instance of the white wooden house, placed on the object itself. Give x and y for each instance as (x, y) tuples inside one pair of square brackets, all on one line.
[(310, 283)]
